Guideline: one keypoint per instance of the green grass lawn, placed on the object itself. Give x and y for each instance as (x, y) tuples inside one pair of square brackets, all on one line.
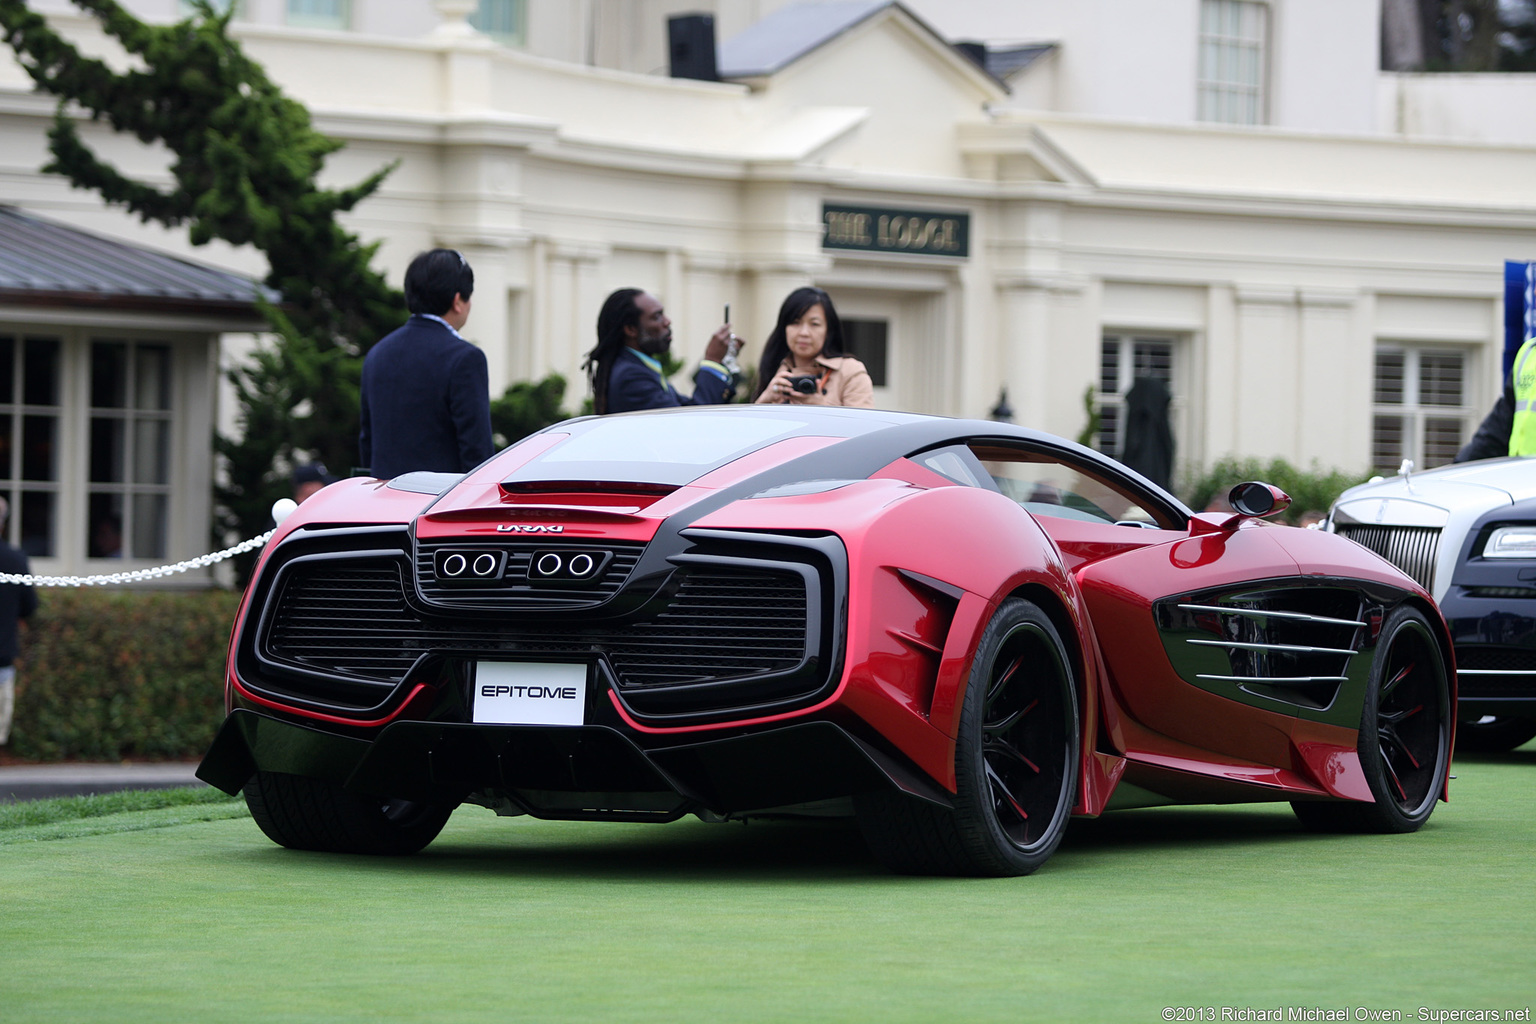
[(166, 915)]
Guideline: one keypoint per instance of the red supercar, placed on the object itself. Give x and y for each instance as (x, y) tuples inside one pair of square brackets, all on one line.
[(961, 632)]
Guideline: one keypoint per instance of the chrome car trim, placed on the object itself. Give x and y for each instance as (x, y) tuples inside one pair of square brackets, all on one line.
[(1274, 680), (1294, 648), (1260, 613)]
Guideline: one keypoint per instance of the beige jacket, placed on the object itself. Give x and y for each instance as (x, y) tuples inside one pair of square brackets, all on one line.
[(846, 383)]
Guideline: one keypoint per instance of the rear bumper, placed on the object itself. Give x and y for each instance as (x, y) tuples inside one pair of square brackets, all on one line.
[(581, 772)]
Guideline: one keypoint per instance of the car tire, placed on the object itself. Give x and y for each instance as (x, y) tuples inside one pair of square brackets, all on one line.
[(310, 814), (1016, 762), (1493, 734), (1405, 734)]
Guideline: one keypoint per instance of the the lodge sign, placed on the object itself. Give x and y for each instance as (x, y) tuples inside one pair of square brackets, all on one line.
[(905, 232)]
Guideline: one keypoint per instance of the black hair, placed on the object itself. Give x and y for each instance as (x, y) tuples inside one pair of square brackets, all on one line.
[(434, 278), (619, 311), (776, 348)]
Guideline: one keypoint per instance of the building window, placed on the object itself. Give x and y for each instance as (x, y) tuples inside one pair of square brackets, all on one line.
[(30, 368), (1123, 358), (1230, 88), (89, 451), (502, 20), (866, 341), (129, 451), (188, 8), (320, 13), (1420, 405)]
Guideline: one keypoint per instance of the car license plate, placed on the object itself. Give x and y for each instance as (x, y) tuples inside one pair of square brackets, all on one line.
[(530, 693)]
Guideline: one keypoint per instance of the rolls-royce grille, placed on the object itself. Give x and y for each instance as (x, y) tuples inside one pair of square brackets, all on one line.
[(1410, 548), (514, 588), (720, 623)]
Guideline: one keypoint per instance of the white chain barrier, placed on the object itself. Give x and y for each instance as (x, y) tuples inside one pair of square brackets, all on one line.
[(107, 579)]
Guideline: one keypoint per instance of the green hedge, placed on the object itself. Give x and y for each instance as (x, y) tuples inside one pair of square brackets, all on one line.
[(1311, 490), (113, 674)]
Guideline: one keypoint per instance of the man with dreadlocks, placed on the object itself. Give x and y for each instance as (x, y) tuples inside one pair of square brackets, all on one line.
[(624, 368)]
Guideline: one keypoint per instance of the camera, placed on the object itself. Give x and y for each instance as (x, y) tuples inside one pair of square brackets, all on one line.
[(804, 383)]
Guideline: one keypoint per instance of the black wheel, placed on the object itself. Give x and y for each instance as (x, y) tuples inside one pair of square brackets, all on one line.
[(1405, 735), (309, 814), (1493, 734), (1016, 762)]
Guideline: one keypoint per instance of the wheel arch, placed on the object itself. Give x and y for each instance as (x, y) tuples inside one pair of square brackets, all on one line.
[(1073, 637), (1442, 632)]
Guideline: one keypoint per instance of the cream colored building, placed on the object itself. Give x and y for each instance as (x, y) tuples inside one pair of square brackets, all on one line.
[(1320, 280)]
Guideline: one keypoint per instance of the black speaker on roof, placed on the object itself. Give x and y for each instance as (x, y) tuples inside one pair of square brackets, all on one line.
[(691, 44)]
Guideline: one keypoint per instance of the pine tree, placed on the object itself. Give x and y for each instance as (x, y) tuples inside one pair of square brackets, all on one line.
[(527, 406), (245, 164)]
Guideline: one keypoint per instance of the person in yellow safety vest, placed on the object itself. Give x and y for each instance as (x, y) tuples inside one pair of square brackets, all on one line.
[(1510, 428)]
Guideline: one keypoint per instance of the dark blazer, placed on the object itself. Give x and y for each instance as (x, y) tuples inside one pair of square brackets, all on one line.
[(17, 601), (633, 385), (426, 402), (1491, 441)]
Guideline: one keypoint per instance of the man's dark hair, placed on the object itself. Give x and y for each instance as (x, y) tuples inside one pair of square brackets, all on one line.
[(776, 349), (434, 278), (619, 311)]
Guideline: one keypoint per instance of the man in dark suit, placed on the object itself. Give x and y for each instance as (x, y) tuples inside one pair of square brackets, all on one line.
[(624, 368), (426, 398)]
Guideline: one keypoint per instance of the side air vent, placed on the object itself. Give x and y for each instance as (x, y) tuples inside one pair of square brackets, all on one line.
[(1294, 645)]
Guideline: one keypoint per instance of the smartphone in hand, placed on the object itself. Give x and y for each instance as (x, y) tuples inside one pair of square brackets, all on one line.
[(732, 346)]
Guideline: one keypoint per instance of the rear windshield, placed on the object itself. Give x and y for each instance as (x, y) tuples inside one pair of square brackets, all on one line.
[(691, 439), (669, 449)]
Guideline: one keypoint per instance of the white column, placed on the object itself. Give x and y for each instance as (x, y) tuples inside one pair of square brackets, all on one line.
[(1334, 380)]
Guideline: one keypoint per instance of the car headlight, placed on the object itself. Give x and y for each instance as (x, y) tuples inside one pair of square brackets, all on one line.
[(1511, 542)]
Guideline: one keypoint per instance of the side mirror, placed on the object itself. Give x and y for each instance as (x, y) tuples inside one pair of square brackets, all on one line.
[(1258, 499)]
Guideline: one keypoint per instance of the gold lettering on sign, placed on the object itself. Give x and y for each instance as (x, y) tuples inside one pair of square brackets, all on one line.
[(917, 233), (946, 240), (895, 232), (845, 228)]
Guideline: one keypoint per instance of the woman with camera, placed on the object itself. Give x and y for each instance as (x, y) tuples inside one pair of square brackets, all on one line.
[(803, 361)]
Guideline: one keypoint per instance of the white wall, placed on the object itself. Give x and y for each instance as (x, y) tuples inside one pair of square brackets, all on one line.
[(1474, 108), (1137, 59)]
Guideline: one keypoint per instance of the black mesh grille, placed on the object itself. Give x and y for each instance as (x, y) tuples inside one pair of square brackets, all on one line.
[(1473, 661), (1502, 659), (1410, 548), (720, 623), (514, 590), (351, 619)]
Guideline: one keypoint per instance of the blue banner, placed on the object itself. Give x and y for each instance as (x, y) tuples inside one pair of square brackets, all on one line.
[(1519, 308)]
